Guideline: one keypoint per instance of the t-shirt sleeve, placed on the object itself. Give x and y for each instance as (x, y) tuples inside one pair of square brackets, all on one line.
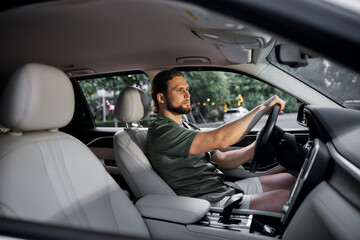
[(173, 140)]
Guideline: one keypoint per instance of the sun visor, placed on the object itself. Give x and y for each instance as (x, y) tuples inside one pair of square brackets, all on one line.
[(236, 55), (235, 45)]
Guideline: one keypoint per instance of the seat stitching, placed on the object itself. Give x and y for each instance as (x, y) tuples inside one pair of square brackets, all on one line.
[(61, 179), (42, 147), (111, 202), (4, 206), (71, 189)]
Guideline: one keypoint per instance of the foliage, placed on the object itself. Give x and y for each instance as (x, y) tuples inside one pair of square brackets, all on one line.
[(255, 92), (209, 90), (212, 90), (110, 87)]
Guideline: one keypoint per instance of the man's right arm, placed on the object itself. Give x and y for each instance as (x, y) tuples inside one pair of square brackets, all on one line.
[(233, 132)]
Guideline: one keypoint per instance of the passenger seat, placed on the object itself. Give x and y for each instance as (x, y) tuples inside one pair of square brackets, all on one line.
[(48, 176), (129, 145)]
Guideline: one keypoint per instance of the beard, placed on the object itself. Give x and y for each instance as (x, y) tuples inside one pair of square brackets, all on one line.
[(180, 109)]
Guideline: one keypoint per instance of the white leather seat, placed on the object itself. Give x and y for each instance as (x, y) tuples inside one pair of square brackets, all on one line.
[(49, 176), (129, 145)]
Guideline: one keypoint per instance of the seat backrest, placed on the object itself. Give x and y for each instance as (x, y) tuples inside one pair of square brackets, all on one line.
[(129, 145), (49, 176)]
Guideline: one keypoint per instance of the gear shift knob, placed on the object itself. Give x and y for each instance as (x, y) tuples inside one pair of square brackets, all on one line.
[(233, 202)]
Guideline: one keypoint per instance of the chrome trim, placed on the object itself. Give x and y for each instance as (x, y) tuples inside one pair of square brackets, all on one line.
[(304, 172), (312, 157), (99, 138)]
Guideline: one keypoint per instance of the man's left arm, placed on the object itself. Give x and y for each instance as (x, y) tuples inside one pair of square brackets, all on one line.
[(234, 158)]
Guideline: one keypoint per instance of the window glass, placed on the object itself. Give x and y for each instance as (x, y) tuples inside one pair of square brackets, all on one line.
[(101, 93), (219, 97), (336, 82)]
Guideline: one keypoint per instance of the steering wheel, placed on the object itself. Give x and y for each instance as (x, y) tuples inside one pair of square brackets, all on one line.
[(267, 141)]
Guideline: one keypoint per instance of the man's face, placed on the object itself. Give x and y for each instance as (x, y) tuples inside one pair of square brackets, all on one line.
[(178, 96)]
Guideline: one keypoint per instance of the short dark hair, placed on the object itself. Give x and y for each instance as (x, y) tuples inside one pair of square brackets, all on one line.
[(159, 85)]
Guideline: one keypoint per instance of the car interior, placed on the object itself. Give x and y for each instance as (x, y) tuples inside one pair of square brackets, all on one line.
[(75, 106)]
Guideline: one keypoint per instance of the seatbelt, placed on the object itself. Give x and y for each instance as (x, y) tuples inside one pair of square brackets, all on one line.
[(190, 125)]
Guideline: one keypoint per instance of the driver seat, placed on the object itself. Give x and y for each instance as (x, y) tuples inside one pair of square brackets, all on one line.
[(132, 106)]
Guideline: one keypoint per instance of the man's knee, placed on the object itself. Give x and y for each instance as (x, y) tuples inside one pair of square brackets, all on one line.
[(277, 181), (270, 201), (290, 180)]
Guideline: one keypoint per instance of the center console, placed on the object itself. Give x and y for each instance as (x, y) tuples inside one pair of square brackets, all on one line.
[(246, 221), (190, 218)]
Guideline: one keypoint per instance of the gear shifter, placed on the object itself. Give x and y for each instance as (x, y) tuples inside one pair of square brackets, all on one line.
[(233, 202)]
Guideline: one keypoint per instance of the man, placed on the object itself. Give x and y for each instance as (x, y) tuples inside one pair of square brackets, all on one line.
[(180, 154)]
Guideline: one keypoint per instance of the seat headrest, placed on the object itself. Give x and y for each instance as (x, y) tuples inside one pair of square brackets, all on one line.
[(37, 97), (131, 105)]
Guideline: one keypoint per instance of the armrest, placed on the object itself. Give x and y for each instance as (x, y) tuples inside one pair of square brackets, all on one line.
[(177, 209), (248, 212)]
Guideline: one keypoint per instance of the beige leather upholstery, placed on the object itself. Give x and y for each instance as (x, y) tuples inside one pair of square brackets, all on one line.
[(37, 98), (129, 146), (49, 176), (136, 107)]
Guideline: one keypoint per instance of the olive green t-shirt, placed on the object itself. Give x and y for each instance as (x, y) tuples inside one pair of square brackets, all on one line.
[(167, 147)]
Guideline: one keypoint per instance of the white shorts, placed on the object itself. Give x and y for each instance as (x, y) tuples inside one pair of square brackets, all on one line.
[(250, 186)]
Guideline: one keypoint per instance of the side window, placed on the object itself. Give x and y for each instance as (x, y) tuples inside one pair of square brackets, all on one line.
[(101, 93), (220, 97), (217, 97)]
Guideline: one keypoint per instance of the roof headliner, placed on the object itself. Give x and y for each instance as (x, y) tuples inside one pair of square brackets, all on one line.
[(105, 36)]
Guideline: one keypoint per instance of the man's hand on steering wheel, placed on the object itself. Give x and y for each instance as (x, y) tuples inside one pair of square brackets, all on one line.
[(271, 102), (270, 134)]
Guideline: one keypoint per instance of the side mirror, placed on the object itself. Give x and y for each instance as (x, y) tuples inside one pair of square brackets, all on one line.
[(301, 119), (290, 55)]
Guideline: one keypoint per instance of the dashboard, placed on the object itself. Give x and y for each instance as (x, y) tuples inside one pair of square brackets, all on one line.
[(327, 188)]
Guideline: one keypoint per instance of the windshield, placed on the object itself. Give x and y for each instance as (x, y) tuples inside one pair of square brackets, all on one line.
[(332, 80)]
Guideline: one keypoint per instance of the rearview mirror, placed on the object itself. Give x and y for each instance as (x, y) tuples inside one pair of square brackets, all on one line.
[(352, 104), (290, 55)]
